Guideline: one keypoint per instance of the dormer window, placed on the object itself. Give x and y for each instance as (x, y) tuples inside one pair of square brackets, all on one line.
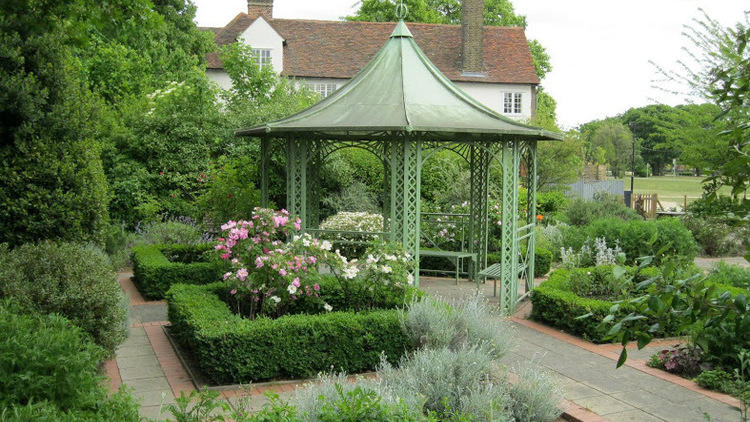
[(262, 56), (512, 103)]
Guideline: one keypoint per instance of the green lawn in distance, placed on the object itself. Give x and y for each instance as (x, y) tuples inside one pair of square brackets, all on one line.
[(670, 188)]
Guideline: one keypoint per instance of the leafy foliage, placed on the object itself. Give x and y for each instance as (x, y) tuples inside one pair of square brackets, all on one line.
[(50, 371), (53, 184), (714, 314), (69, 279), (582, 213)]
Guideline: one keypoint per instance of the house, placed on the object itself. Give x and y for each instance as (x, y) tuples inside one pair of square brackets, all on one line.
[(492, 64)]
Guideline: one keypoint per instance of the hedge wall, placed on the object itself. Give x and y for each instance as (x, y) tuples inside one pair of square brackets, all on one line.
[(554, 304), (154, 273), (231, 349)]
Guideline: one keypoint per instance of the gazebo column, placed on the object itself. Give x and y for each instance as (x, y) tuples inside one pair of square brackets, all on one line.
[(479, 163), (265, 159), (406, 198), (314, 163), (386, 210), (296, 179), (509, 253), (531, 168)]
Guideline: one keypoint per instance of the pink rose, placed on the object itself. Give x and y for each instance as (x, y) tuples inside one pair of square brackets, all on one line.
[(282, 272), (316, 287), (295, 282), (233, 292)]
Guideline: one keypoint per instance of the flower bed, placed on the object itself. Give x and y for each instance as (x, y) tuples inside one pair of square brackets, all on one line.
[(569, 294), (157, 267), (233, 349)]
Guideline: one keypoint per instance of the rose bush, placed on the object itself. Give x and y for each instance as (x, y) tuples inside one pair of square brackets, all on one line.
[(269, 274)]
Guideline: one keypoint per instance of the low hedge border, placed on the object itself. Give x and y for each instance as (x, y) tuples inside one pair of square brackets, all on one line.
[(154, 273), (554, 305), (232, 349)]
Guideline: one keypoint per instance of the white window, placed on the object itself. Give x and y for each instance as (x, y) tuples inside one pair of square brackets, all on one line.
[(512, 103), (324, 89), (262, 56)]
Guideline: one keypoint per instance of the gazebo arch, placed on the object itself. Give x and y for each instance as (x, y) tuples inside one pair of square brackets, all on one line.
[(401, 105)]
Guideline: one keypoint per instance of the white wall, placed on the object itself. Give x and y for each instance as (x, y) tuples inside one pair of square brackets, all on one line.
[(492, 95), (220, 77), (261, 35)]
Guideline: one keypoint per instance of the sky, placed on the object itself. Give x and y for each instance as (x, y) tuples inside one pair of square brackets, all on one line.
[(600, 50)]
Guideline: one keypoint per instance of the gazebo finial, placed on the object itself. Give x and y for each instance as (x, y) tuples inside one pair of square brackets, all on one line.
[(401, 10)]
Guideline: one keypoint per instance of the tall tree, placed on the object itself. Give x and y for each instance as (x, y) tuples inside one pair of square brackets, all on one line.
[(719, 71), (647, 125), (52, 186), (617, 142)]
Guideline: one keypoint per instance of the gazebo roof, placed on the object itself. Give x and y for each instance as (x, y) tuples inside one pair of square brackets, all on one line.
[(400, 92)]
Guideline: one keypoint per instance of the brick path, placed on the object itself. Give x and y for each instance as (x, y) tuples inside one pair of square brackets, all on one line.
[(594, 389)]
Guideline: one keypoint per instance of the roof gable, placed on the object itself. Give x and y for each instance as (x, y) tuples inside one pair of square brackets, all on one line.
[(339, 49)]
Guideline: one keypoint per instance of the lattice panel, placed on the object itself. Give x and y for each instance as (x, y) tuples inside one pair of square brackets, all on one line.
[(479, 162), (412, 171), (509, 252), (296, 185), (386, 198), (397, 191), (314, 163)]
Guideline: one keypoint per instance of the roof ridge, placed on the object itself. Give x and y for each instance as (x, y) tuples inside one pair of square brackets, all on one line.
[(452, 25)]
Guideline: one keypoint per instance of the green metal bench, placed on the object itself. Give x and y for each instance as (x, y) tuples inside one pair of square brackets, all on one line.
[(494, 272), (456, 256)]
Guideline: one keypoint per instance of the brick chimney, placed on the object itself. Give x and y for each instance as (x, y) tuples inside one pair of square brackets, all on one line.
[(472, 35), (256, 8)]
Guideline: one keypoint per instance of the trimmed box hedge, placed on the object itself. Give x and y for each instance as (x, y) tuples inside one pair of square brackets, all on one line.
[(232, 349), (157, 267), (554, 304)]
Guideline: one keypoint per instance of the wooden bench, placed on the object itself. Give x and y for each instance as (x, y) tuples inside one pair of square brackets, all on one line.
[(455, 256), (494, 272)]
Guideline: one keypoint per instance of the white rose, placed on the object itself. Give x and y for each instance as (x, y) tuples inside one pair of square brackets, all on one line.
[(387, 269), (292, 289), (410, 279), (276, 299), (328, 307)]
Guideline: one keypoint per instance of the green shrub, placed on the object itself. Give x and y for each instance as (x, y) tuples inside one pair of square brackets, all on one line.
[(581, 212), (182, 231), (542, 260), (715, 236), (551, 203), (637, 238), (717, 379), (231, 349), (230, 192), (73, 280), (157, 267), (733, 275), (49, 371)]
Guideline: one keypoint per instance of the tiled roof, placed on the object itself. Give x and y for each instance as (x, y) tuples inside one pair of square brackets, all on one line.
[(338, 49)]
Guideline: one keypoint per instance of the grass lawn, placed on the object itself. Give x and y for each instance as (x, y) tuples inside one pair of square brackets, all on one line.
[(670, 188)]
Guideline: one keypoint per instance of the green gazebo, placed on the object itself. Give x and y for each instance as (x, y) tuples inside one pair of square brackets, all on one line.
[(403, 109)]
